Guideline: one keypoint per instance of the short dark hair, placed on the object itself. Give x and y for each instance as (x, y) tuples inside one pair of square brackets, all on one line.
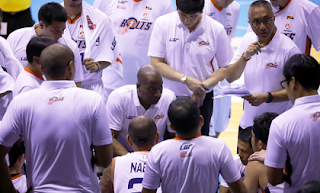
[(142, 131), (50, 12), (310, 187), (37, 44), (245, 135), (190, 6), (184, 115), (261, 3), (305, 69), (16, 151), (261, 125)]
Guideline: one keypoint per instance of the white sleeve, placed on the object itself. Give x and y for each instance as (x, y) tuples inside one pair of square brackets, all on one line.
[(276, 155), (106, 6), (78, 75), (224, 183), (151, 179), (157, 46), (101, 132), (115, 112), (224, 50), (228, 170), (10, 126), (313, 27)]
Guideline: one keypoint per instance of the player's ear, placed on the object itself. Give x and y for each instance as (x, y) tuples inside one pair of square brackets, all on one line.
[(129, 140), (138, 85), (41, 24), (171, 127), (36, 59), (157, 137), (201, 121)]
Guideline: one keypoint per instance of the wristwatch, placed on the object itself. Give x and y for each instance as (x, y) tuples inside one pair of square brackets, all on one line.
[(183, 79), (270, 98)]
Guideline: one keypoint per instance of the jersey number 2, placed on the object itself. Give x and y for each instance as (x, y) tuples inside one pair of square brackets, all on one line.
[(134, 181)]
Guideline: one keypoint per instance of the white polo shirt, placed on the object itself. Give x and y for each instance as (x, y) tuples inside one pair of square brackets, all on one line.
[(59, 123), (263, 73), (192, 53), (19, 39), (8, 60), (27, 80), (133, 22), (6, 84), (297, 133), (241, 168), (129, 171), (189, 165), (123, 105), (299, 20), (228, 16)]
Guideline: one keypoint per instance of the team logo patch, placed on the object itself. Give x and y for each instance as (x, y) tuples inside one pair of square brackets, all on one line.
[(228, 30), (315, 116), (122, 1), (90, 24), (133, 23), (173, 39), (271, 65), (157, 117), (287, 26), (290, 17), (149, 8), (98, 41), (186, 150), (145, 15), (203, 43), (130, 117), (55, 99), (229, 14)]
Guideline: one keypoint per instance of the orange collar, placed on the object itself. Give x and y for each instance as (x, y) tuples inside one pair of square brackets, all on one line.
[(27, 70), (284, 6), (15, 177), (137, 0), (178, 138), (74, 20), (144, 151), (220, 9)]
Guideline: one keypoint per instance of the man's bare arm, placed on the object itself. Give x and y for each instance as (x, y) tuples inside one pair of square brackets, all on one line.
[(238, 187), (275, 176), (107, 180), (148, 191), (217, 76), (251, 179), (224, 189), (103, 155), (118, 148), (5, 179), (257, 99), (78, 84)]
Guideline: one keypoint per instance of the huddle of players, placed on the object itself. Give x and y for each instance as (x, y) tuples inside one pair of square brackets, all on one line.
[(149, 78)]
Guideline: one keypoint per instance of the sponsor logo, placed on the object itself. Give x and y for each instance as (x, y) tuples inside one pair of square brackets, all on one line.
[(55, 99), (130, 117), (229, 14), (287, 26), (122, 1), (145, 15), (290, 35), (157, 117), (149, 8), (81, 44), (203, 43), (315, 116), (290, 17), (173, 39), (211, 14), (133, 23), (186, 150), (90, 24), (121, 7), (271, 65)]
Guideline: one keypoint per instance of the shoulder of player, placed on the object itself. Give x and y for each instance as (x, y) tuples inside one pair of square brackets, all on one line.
[(285, 42), (168, 18), (255, 168), (216, 26), (124, 91), (21, 34), (305, 5)]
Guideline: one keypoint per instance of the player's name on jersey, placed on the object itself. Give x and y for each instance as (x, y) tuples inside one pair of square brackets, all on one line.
[(138, 167)]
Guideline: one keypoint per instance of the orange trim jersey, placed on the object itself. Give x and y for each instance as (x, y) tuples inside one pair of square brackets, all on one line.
[(20, 182), (299, 20), (27, 80)]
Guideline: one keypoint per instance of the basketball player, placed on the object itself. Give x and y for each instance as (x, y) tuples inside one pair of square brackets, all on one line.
[(126, 172)]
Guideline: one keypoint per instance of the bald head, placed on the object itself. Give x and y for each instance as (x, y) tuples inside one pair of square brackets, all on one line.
[(142, 131), (55, 61), (146, 72)]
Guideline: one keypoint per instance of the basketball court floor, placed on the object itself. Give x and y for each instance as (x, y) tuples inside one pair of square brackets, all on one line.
[(231, 133)]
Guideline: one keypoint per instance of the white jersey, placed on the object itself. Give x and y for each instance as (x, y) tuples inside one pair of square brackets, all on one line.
[(129, 171), (20, 182), (6, 84), (241, 168), (123, 105), (192, 53), (263, 73), (184, 166), (59, 129), (228, 16), (27, 80), (299, 20), (296, 133), (133, 22), (8, 60), (19, 39)]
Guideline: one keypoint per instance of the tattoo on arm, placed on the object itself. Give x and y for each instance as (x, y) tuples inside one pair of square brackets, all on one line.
[(106, 182)]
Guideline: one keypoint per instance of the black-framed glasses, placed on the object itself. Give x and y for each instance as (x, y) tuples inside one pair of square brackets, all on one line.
[(282, 83), (256, 23)]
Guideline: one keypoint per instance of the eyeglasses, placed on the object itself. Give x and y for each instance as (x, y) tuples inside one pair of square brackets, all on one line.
[(257, 23), (282, 83)]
